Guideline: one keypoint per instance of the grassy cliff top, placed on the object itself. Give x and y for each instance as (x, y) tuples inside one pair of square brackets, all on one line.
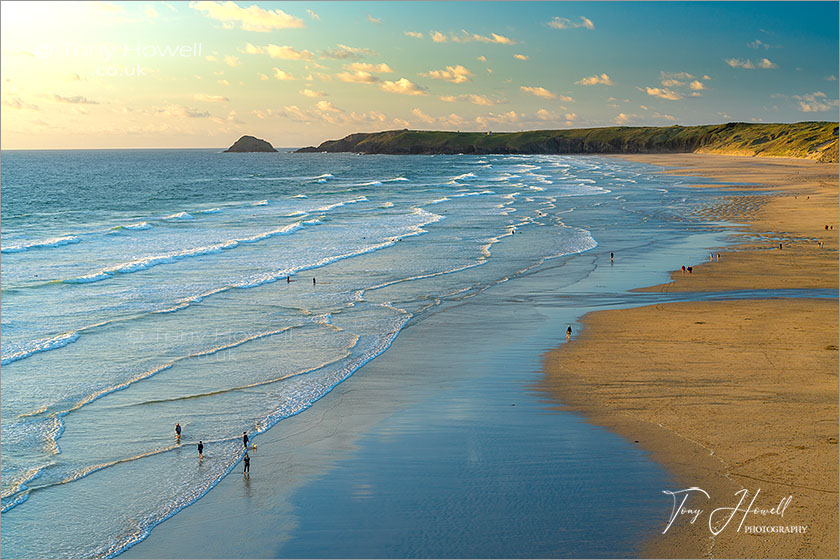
[(809, 140)]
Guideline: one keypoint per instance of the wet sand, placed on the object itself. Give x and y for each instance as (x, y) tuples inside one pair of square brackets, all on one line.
[(731, 395)]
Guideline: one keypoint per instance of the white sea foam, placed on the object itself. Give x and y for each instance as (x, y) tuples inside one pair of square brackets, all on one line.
[(46, 243)]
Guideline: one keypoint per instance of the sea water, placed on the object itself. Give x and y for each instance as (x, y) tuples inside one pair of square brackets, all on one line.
[(226, 292)]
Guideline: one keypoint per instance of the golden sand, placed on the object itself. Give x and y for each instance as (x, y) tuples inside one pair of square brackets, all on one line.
[(737, 394)]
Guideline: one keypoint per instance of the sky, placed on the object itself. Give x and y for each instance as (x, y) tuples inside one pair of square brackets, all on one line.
[(202, 73)]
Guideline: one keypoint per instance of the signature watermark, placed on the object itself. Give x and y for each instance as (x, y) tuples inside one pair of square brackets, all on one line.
[(112, 56), (745, 509)]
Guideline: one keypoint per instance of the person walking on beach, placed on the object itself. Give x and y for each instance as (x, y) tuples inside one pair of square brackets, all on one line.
[(200, 450), (247, 461), (313, 281), (683, 269), (611, 257), (178, 431), (245, 440), (569, 332)]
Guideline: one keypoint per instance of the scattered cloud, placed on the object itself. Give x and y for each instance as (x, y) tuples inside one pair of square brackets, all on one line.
[(565, 23), (358, 77), (603, 79), (816, 102), (415, 34), (313, 15), (831, 78), (453, 120), (210, 98), (263, 77), (343, 52), (377, 21), (545, 115), (664, 117), (75, 100), (538, 91), (748, 64), (282, 74), (279, 52), (621, 118), (663, 93), (482, 58), (470, 98), (758, 44), (311, 93), (366, 67), (232, 61), (455, 74), (696, 85), (223, 82), (520, 56), (466, 37), (327, 106), (182, 112), (252, 18), (403, 86), (428, 119), (18, 103)]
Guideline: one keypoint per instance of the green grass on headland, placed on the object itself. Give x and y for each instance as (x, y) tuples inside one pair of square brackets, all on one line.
[(809, 140)]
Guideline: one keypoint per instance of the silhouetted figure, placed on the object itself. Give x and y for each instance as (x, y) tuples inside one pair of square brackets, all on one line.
[(245, 439), (247, 461), (288, 279), (569, 331), (313, 281), (177, 431), (200, 450), (689, 269), (683, 269), (611, 257)]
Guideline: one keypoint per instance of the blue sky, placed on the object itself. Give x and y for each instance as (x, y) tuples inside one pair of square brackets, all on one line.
[(297, 73)]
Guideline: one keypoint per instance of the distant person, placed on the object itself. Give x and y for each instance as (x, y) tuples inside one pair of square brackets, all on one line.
[(689, 269), (177, 431), (718, 256), (826, 227), (200, 450), (611, 257), (683, 269), (313, 281), (245, 439), (288, 279), (247, 461), (780, 245), (569, 331), (711, 257)]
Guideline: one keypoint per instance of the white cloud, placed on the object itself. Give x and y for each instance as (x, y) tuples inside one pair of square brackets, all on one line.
[(210, 98), (313, 15), (765, 63), (672, 83), (327, 106), (621, 118), (312, 93), (252, 18), (415, 34), (403, 86), (466, 37), (470, 98), (279, 52), (664, 93), (401, 123), (738, 63), (453, 120), (603, 79), (758, 44), (455, 74), (428, 119), (232, 61), (816, 102), (520, 57), (367, 67), (342, 52), (182, 112), (697, 85), (358, 77), (538, 91), (831, 78), (282, 74), (377, 21), (565, 23), (438, 37), (482, 58)]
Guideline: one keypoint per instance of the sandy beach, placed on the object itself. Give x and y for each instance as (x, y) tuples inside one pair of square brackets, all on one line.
[(731, 395)]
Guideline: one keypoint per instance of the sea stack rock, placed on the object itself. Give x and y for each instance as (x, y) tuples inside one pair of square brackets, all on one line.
[(251, 144)]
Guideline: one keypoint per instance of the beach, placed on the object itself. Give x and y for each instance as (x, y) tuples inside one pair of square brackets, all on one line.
[(737, 394)]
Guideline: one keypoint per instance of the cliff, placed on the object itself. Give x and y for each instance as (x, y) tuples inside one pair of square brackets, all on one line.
[(809, 140), (251, 144)]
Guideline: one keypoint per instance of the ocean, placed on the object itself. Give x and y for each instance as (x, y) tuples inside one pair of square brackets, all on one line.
[(229, 292)]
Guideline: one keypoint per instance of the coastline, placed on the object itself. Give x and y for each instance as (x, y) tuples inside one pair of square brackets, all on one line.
[(737, 394)]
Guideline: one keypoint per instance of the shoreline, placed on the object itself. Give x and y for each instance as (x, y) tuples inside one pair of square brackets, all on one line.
[(737, 394)]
